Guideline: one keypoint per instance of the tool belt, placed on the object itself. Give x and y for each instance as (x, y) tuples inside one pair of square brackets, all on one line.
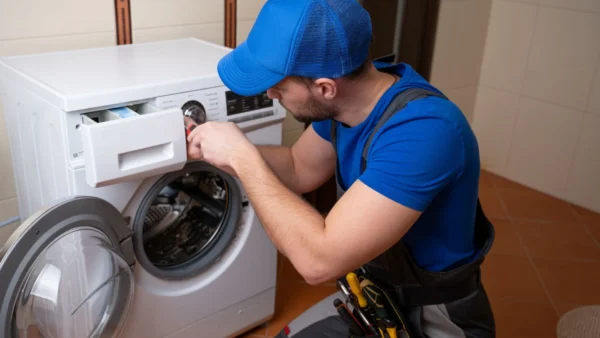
[(371, 311), (374, 312)]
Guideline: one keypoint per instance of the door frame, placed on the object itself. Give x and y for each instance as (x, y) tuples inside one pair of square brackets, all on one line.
[(123, 22), (418, 35)]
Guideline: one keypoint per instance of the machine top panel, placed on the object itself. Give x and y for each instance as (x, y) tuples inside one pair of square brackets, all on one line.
[(85, 79)]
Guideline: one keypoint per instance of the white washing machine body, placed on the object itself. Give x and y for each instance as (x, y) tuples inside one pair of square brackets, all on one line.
[(122, 236)]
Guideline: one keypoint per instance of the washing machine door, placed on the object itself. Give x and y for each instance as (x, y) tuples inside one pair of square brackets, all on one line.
[(66, 272)]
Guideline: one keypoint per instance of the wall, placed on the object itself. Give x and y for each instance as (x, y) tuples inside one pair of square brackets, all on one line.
[(247, 11), (31, 26), (153, 20), (458, 53), (202, 19), (537, 112)]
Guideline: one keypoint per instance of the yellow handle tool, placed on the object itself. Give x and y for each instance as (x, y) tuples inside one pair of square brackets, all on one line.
[(390, 327), (387, 331), (391, 333), (356, 290)]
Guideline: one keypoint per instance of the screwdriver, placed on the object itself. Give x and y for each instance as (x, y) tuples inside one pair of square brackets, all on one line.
[(362, 301), (370, 326), (189, 124), (356, 290)]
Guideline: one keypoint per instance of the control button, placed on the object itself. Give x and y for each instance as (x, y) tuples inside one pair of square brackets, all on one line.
[(195, 111)]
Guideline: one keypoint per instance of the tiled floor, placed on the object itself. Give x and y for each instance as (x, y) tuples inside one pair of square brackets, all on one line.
[(545, 261)]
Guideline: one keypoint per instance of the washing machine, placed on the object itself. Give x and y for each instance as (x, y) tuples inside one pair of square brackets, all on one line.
[(121, 235)]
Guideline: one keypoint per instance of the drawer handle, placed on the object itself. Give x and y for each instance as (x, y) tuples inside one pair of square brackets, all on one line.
[(145, 156)]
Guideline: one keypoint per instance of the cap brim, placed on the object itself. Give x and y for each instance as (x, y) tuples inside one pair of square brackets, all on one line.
[(241, 73)]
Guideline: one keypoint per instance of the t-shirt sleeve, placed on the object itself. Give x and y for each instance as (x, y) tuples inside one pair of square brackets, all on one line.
[(412, 161), (323, 129)]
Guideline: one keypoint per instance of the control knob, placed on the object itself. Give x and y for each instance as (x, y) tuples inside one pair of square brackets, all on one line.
[(195, 111)]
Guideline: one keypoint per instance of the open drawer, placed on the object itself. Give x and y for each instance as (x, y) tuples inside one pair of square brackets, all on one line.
[(132, 142)]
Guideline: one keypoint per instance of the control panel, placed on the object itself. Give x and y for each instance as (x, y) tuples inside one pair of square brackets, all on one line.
[(221, 104), (213, 104), (237, 104), (203, 105)]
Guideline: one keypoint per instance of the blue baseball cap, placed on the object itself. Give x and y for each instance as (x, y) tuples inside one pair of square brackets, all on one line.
[(310, 38)]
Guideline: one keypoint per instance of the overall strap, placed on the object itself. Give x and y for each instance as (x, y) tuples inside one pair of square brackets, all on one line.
[(333, 134), (397, 104)]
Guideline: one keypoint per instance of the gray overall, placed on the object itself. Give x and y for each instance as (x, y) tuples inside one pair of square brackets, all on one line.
[(436, 304)]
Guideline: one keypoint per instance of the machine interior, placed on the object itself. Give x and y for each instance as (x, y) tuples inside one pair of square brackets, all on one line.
[(185, 218)]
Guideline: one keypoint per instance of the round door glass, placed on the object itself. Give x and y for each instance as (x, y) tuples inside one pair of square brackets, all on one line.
[(72, 288)]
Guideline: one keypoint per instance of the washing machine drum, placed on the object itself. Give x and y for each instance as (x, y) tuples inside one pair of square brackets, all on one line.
[(66, 273), (186, 221)]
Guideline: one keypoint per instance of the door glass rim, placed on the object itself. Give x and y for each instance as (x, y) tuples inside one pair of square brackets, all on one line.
[(21, 289), (36, 232)]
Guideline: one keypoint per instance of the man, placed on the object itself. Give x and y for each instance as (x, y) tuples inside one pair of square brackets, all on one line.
[(409, 213)]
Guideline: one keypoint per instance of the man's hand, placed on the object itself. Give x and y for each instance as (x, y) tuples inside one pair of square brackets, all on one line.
[(219, 143)]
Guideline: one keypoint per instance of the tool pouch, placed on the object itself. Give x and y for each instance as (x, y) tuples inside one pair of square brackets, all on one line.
[(384, 312), (384, 304)]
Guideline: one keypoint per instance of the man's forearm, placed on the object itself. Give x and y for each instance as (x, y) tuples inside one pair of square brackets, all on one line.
[(281, 161), (295, 228)]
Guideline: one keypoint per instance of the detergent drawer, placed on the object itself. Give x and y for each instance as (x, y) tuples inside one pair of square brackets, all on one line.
[(132, 142)]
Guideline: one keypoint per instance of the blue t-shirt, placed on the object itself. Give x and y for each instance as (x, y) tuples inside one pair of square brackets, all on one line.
[(425, 157)]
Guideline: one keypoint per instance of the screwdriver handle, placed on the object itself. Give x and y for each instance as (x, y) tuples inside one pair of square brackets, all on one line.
[(390, 327), (356, 290)]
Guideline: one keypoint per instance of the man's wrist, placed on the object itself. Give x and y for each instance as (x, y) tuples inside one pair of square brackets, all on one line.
[(245, 158)]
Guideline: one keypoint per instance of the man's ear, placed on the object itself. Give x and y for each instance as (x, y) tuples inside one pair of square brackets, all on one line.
[(327, 88)]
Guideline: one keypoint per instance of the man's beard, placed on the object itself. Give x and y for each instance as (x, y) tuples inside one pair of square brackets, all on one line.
[(314, 111)]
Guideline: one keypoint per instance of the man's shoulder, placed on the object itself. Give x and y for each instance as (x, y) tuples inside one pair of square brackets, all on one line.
[(436, 118), (434, 105)]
